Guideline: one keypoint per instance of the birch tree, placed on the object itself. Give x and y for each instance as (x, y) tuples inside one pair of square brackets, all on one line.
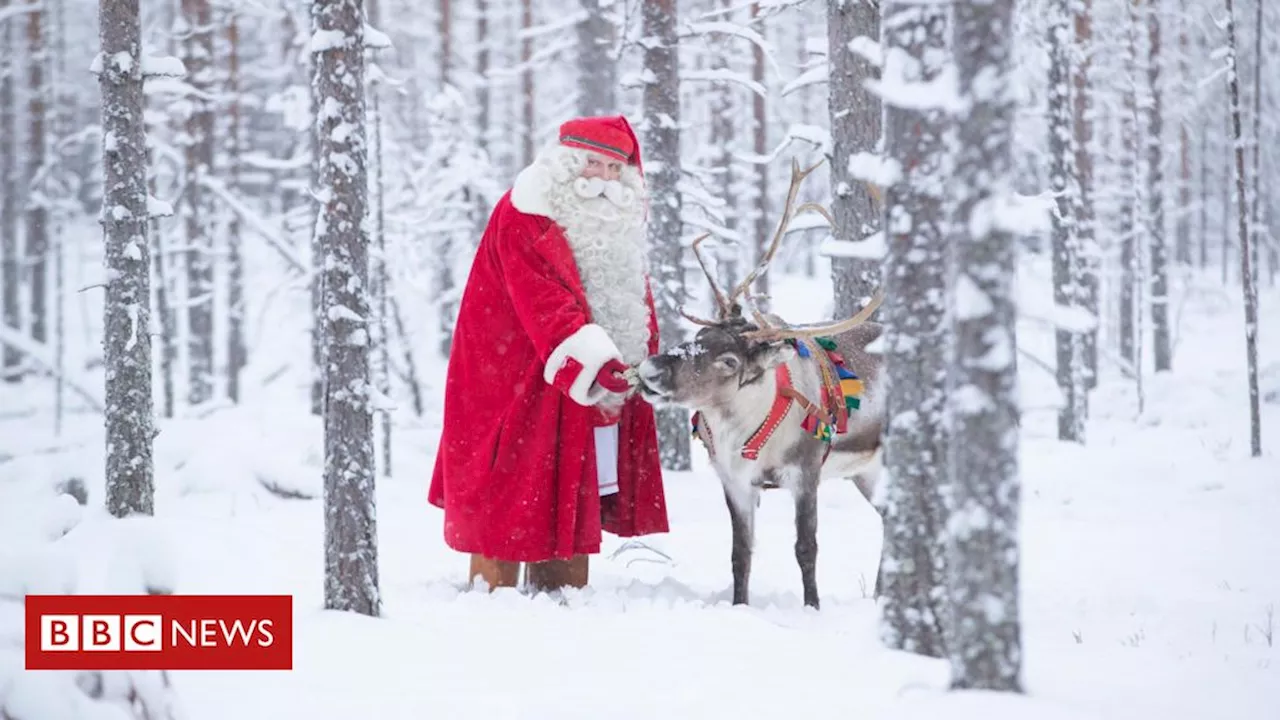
[(130, 488), (852, 28), (986, 652), (662, 168), (351, 541), (1248, 248), (1068, 270), (912, 577)]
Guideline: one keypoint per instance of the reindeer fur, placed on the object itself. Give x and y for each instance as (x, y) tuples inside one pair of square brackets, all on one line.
[(733, 408)]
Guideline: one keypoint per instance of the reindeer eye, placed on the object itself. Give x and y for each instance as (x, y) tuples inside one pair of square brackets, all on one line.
[(729, 362)]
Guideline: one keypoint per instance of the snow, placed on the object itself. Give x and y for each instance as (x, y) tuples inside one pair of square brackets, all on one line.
[(1147, 555), (163, 66), (324, 40), (971, 302), (870, 248)]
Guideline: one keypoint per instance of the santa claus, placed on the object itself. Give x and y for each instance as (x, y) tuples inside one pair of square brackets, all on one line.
[(545, 443)]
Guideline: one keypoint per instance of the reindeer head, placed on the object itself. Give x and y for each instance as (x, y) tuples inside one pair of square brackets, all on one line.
[(731, 353)]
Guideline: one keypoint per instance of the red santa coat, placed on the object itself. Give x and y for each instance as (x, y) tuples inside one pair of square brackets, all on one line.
[(515, 470)]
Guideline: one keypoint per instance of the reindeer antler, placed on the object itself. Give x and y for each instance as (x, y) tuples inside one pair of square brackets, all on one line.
[(771, 332), (722, 303), (788, 213)]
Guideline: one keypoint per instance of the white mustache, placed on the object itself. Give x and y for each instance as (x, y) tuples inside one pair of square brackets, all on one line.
[(613, 190)]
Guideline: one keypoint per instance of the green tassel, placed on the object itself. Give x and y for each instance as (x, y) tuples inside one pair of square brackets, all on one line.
[(826, 343)]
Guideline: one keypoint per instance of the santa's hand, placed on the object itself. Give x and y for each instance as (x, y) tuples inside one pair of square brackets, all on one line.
[(610, 377)]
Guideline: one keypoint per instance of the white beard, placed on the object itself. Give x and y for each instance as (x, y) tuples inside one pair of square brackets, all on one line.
[(608, 243)]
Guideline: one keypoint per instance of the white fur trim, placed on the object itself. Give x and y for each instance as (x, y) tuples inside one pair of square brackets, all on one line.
[(589, 345), (529, 192)]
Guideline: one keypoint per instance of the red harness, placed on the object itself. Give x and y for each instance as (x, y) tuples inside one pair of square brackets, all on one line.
[(786, 394)]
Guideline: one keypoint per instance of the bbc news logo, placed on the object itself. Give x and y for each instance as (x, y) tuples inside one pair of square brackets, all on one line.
[(159, 632)]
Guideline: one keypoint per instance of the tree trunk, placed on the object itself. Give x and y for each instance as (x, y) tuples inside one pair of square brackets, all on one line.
[(1086, 217), (1205, 197), (763, 229), (1182, 250), (597, 74), (446, 42), (10, 306), (1255, 137), (913, 568), (237, 353), (1248, 250), (37, 235), (351, 541), (484, 96), (1130, 176), (318, 309), (662, 152), (526, 84), (983, 531), (130, 488), (1162, 350), (1068, 255), (199, 217), (855, 128)]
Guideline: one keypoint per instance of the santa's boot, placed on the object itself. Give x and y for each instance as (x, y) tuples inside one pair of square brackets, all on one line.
[(496, 573), (552, 575)]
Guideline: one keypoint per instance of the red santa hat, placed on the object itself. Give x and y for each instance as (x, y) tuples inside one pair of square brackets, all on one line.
[(609, 135)]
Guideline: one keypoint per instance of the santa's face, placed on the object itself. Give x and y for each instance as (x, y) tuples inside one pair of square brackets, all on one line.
[(601, 167), (600, 189)]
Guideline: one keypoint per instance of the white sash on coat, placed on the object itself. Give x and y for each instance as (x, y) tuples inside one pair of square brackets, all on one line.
[(607, 459)]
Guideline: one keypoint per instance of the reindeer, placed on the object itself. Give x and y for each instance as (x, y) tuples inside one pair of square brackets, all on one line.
[(751, 383)]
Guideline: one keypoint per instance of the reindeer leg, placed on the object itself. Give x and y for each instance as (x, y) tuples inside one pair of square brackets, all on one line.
[(806, 498), (743, 522)]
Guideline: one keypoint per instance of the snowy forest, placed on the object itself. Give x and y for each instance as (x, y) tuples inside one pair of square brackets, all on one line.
[(235, 234)]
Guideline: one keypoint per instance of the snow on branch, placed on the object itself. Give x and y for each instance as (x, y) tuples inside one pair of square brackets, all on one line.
[(157, 208), (375, 39), (325, 40), (874, 169), (564, 24), (10, 13), (165, 66), (816, 75), (254, 220), (40, 353), (870, 248), (868, 49), (940, 93), (812, 134), (724, 75), (764, 8), (735, 30)]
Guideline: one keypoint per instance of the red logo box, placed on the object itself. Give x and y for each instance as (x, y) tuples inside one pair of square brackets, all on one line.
[(159, 632)]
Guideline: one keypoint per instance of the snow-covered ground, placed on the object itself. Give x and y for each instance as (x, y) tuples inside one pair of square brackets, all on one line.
[(1150, 587)]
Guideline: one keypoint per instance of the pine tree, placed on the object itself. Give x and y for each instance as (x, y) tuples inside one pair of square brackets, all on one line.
[(661, 148), (855, 128), (1248, 248), (986, 650), (912, 577), (351, 539), (1068, 255), (130, 488), (10, 308)]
